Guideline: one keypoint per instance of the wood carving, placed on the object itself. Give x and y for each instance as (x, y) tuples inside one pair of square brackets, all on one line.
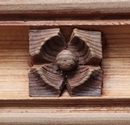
[(44, 45), (74, 65), (86, 80), (46, 80)]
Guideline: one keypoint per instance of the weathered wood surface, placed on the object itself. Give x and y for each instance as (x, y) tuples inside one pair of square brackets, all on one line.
[(14, 67), (85, 81), (66, 61), (44, 45), (45, 80), (82, 114), (14, 88), (64, 7), (84, 48), (67, 22), (87, 46), (65, 118)]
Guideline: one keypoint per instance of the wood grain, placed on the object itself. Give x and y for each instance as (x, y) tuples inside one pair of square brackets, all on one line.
[(84, 48), (67, 22), (41, 42), (85, 81), (115, 81), (87, 46), (45, 80), (64, 7), (65, 118), (65, 114), (14, 88)]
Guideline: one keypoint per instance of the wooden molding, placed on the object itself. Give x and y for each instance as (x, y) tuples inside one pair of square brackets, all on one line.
[(65, 118), (65, 6), (15, 105), (57, 23)]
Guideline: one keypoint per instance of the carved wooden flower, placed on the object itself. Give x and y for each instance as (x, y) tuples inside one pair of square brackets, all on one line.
[(73, 65)]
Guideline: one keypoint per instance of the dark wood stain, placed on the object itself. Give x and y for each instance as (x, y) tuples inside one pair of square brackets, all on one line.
[(49, 79)]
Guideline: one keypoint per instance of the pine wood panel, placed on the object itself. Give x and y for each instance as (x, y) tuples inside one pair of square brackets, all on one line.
[(14, 59)]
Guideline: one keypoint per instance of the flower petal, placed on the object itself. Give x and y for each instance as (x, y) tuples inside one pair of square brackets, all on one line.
[(44, 45), (85, 81), (87, 46), (45, 80)]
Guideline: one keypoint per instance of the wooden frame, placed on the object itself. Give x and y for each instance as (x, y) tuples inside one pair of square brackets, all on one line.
[(56, 111)]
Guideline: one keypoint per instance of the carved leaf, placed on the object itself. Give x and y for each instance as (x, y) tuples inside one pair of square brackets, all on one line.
[(86, 80), (76, 61), (45, 80), (44, 45), (86, 45)]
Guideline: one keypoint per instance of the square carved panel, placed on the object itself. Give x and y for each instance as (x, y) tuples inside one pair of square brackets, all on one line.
[(15, 59), (59, 64)]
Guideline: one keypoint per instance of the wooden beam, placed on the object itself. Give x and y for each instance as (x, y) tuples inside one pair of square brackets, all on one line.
[(64, 6), (65, 118)]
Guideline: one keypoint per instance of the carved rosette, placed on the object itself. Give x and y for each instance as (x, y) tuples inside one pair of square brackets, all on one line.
[(58, 65)]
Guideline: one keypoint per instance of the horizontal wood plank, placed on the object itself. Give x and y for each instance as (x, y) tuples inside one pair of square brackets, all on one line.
[(14, 59), (62, 7), (67, 22), (65, 118)]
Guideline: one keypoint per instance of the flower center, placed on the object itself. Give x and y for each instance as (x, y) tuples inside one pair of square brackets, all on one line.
[(66, 60)]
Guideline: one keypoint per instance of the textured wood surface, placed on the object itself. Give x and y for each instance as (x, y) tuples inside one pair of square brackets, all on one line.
[(81, 114), (66, 60), (67, 22), (44, 45), (87, 46), (14, 66), (84, 48), (85, 81), (64, 118), (45, 80), (14, 58), (14, 89), (64, 6)]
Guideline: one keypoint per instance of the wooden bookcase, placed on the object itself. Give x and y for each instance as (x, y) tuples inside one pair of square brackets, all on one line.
[(111, 18)]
